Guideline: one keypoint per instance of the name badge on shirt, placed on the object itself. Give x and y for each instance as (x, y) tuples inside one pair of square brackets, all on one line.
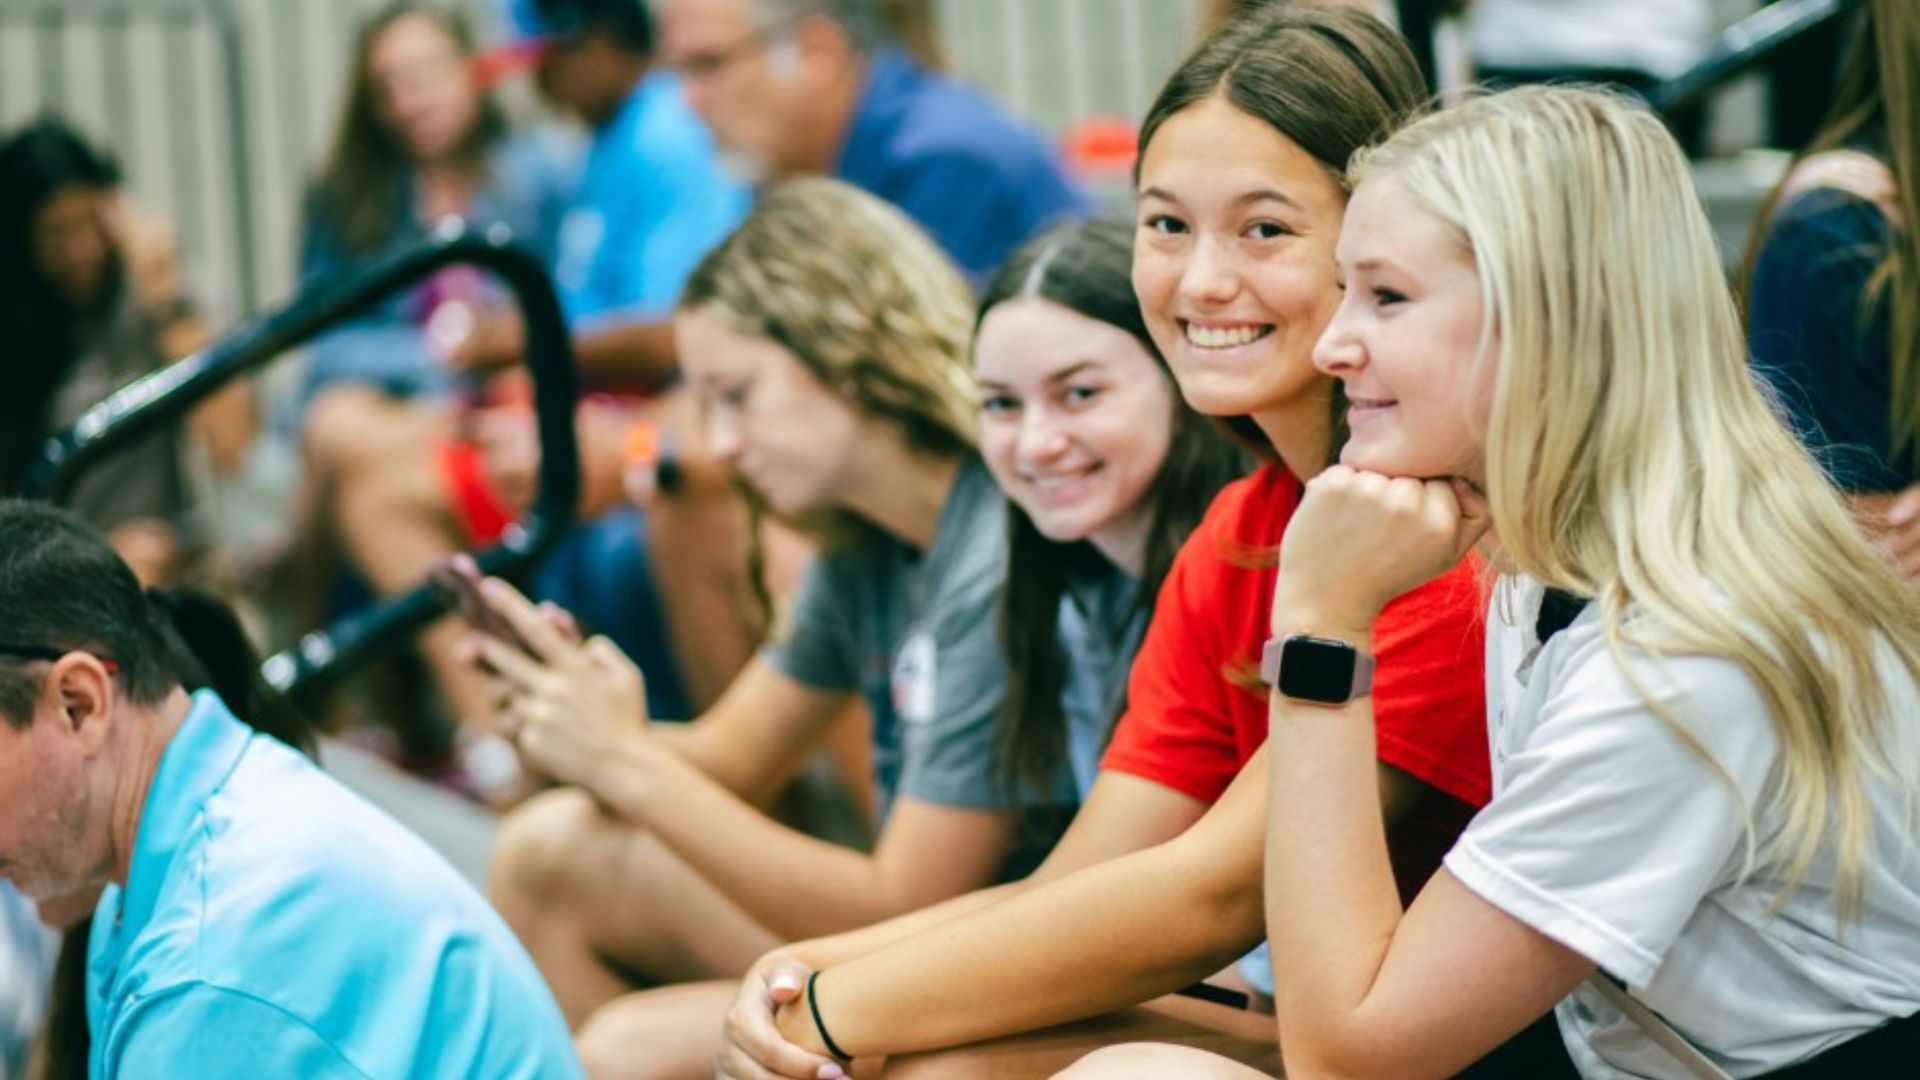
[(914, 679)]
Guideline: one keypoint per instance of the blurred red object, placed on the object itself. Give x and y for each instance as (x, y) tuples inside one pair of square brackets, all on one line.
[(1101, 145), (496, 65)]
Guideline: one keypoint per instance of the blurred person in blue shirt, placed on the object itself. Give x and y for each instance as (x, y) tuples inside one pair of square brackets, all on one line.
[(255, 918), (651, 200), (808, 87), (410, 487)]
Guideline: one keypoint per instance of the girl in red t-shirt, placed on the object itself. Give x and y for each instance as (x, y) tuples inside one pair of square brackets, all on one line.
[(1157, 883)]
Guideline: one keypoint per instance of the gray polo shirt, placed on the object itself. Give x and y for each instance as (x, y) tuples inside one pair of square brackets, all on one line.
[(914, 633), (1101, 624)]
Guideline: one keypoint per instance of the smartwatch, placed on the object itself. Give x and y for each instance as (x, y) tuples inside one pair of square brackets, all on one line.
[(1322, 671)]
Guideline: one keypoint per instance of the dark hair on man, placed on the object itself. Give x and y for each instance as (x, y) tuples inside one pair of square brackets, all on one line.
[(364, 183), (1086, 267), (1329, 79), (36, 163), (625, 21), (65, 590)]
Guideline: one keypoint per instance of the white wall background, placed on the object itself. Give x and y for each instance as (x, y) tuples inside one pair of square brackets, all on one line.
[(150, 78)]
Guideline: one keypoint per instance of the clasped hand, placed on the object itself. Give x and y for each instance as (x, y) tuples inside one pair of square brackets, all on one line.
[(1360, 539), (753, 1046)]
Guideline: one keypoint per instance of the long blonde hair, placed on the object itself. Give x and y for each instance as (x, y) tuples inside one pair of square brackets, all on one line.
[(863, 299), (1631, 456)]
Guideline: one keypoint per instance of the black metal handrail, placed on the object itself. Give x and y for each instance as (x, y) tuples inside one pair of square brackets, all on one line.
[(1744, 46), (323, 656)]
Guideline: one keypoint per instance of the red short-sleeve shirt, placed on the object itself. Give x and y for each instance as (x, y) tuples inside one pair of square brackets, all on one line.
[(1191, 724)]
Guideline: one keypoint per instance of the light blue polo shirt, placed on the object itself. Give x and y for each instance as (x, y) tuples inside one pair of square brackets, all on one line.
[(652, 201), (275, 924)]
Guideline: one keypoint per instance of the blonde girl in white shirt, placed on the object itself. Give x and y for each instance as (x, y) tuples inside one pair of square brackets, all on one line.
[(1705, 785)]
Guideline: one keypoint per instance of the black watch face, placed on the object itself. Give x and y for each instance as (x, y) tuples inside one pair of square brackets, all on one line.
[(1315, 669)]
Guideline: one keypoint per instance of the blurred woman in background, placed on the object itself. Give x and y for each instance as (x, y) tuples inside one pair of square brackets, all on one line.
[(419, 140), (93, 298)]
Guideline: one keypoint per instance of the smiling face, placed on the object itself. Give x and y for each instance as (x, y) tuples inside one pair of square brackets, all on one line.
[(788, 435), (1075, 419), (1406, 341), (422, 88), (1233, 264)]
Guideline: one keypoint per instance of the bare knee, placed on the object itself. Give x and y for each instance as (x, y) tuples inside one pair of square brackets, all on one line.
[(612, 1045), (541, 846), (1129, 1060), (655, 1034)]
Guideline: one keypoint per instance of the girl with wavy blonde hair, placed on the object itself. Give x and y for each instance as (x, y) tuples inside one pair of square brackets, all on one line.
[(1701, 678), (826, 339)]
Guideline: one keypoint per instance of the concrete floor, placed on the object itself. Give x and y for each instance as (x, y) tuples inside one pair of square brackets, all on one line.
[(457, 828)]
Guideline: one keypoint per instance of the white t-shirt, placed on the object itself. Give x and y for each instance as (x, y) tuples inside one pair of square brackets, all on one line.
[(1660, 37), (1608, 835)]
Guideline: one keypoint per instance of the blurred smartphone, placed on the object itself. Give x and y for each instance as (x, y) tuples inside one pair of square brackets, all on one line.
[(458, 578)]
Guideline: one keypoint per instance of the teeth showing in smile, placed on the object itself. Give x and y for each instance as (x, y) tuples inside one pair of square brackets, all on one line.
[(1054, 482), (1225, 337)]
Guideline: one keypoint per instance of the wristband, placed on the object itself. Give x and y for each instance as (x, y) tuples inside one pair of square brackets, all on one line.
[(819, 1025)]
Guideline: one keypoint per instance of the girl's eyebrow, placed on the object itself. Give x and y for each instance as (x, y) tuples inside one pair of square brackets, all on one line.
[(1057, 377), (1069, 372), (1243, 199), (1375, 262)]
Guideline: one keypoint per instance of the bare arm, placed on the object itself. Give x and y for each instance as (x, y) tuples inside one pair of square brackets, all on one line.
[(1122, 814), (640, 354), (1369, 990), (629, 353), (1360, 995), (753, 740), (577, 713), (1110, 935), (797, 884), (1087, 940)]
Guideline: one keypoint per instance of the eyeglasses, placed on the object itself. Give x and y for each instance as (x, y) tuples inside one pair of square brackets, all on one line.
[(701, 66), (48, 653)]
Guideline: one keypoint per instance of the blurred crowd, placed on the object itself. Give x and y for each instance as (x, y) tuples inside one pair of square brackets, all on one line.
[(937, 542)]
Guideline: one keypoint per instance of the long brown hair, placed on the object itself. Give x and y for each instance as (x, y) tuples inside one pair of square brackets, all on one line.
[(360, 186), (1329, 79), (1086, 267), (1878, 104)]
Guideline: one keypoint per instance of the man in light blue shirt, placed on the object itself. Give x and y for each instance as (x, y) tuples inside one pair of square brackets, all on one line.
[(258, 920)]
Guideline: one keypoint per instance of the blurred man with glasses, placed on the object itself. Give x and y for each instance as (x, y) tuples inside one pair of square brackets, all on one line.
[(814, 87)]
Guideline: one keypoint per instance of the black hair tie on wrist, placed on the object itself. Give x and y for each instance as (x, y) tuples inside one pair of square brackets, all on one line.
[(813, 1003)]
